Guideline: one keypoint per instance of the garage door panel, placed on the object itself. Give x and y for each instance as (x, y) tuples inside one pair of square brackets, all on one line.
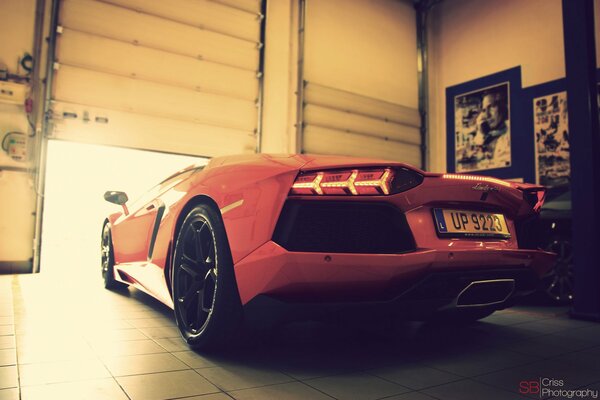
[(357, 97), (102, 54), (147, 30), (356, 123), (177, 76), (341, 122), (104, 126), (363, 46), (352, 102), (210, 15), (320, 140), (77, 85)]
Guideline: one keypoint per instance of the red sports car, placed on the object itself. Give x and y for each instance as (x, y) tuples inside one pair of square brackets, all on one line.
[(301, 236)]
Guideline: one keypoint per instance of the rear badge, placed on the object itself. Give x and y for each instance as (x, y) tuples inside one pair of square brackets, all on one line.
[(485, 188)]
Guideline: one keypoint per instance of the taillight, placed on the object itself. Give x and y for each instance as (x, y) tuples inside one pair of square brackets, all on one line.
[(476, 178), (355, 182)]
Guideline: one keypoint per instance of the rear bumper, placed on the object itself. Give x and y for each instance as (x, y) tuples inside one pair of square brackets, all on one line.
[(436, 292), (333, 278)]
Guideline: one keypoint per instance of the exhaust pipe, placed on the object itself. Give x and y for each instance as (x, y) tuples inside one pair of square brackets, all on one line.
[(485, 293)]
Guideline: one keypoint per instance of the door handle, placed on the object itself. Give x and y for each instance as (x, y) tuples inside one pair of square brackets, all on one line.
[(150, 207)]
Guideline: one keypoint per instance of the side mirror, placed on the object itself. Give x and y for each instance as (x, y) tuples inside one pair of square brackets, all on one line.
[(119, 198)]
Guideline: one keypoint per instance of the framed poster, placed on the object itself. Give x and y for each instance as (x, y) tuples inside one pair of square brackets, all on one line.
[(551, 130), (485, 120), (482, 129)]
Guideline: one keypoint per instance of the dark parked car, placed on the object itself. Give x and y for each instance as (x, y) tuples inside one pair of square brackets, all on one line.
[(554, 233)]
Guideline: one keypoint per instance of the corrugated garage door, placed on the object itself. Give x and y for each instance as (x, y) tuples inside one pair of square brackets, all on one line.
[(178, 76), (360, 93)]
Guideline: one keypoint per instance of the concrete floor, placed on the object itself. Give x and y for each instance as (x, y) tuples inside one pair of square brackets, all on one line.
[(65, 337)]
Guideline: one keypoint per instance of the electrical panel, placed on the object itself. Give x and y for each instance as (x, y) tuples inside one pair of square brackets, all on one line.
[(12, 92), (17, 147)]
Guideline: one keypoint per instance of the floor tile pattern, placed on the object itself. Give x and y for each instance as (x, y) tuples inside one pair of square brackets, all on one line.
[(68, 338)]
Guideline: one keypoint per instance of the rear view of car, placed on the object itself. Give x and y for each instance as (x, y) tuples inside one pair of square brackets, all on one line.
[(303, 236), (396, 239)]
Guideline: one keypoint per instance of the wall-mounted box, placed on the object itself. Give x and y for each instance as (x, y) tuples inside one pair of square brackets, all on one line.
[(12, 93), (17, 147)]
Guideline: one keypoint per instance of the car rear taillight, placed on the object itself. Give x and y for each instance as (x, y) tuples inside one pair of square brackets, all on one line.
[(355, 182), (476, 178)]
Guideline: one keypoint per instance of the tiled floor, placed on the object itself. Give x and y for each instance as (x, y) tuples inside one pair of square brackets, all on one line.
[(64, 337)]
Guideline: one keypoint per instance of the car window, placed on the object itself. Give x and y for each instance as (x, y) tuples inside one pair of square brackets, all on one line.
[(162, 187)]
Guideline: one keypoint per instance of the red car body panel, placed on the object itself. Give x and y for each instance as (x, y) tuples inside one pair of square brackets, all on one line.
[(251, 191), (273, 270)]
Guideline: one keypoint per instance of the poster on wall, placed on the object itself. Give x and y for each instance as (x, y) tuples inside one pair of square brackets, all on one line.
[(551, 129), (482, 129)]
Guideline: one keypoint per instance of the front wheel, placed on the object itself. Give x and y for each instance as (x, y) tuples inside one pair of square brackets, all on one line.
[(107, 260), (205, 295)]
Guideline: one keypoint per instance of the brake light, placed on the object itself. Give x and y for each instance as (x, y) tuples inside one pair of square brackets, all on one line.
[(308, 184), (355, 182), (477, 178)]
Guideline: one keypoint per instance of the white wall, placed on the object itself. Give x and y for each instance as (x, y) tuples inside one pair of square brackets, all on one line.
[(281, 61), (473, 38), (16, 218), (16, 194)]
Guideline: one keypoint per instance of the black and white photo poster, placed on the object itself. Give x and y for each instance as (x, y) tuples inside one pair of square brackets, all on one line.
[(551, 129), (482, 129)]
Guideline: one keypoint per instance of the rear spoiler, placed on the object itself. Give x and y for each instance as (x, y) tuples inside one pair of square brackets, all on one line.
[(533, 194)]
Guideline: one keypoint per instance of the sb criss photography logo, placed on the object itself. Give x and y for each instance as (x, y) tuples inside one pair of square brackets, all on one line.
[(551, 388)]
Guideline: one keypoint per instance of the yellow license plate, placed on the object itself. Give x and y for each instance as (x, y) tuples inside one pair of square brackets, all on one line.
[(470, 223)]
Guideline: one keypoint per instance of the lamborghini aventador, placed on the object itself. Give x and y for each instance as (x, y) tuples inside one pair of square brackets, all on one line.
[(302, 236)]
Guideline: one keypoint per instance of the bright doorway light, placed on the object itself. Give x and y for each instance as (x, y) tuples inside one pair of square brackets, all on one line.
[(77, 175)]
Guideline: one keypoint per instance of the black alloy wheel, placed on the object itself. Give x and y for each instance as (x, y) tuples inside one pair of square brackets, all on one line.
[(205, 295), (107, 260), (559, 282)]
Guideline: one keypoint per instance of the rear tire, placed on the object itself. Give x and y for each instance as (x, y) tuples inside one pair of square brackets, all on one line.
[(107, 260), (207, 306)]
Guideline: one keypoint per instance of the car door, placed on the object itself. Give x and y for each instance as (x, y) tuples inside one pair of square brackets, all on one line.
[(137, 231), (130, 232)]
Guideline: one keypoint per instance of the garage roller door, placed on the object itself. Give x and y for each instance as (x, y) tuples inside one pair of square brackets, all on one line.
[(338, 122), (178, 76), (360, 92)]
